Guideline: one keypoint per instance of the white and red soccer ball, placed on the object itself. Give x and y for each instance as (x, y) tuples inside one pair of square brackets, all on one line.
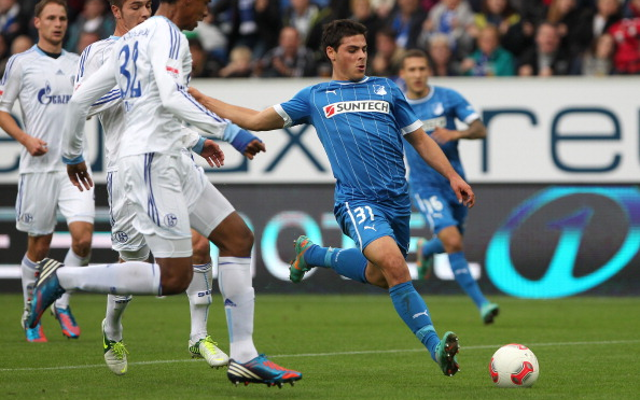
[(514, 365)]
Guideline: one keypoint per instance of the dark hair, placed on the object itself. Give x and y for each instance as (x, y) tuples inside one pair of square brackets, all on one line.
[(334, 31), (413, 53), (42, 3), (117, 3)]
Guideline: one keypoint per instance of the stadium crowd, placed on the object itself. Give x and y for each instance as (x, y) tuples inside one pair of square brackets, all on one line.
[(280, 38)]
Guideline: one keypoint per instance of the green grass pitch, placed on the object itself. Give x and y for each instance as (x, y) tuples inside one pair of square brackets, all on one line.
[(347, 347)]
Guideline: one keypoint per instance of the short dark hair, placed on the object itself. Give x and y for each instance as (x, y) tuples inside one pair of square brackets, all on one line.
[(117, 3), (413, 53), (334, 31), (42, 3)]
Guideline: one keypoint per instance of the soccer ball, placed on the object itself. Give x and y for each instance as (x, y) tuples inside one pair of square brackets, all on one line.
[(514, 365)]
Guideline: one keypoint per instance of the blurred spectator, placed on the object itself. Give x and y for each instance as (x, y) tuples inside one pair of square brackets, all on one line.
[(251, 23), (21, 43), (547, 57), (383, 8), (302, 15), (498, 13), (599, 60), (86, 39), (427, 5), (211, 37), (362, 12), (290, 59), (598, 20), (388, 56), (406, 22), (240, 64), (453, 18), (533, 11), (626, 59), (631, 9), (13, 20), (441, 61), (93, 19), (203, 65), (490, 59)]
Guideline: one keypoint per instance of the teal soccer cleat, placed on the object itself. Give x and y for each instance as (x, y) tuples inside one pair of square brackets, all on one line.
[(299, 266), (261, 370), (446, 352), (46, 290)]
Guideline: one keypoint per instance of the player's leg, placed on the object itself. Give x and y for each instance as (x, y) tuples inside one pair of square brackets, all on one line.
[(37, 218), (435, 211), (153, 189), (200, 343), (227, 230), (78, 208)]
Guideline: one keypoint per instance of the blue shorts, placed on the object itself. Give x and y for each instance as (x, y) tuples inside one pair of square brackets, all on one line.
[(365, 221), (440, 208)]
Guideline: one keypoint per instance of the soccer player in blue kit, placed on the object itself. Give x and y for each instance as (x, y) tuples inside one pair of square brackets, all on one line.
[(361, 122), (438, 108)]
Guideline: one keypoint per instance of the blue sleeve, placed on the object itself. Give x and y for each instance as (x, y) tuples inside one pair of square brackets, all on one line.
[(298, 107), (461, 106), (402, 111)]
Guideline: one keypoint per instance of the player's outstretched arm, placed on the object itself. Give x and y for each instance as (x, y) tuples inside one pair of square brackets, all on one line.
[(247, 118), (433, 155)]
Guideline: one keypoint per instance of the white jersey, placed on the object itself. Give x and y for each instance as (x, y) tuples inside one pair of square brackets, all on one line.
[(109, 108), (150, 65), (43, 85)]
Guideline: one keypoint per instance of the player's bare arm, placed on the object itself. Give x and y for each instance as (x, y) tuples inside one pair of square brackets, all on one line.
[(432, 154), (35, 146), (476, 130), (246, 118)]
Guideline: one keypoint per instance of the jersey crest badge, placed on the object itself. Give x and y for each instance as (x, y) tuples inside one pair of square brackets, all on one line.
[(438, 109), (379, 90)]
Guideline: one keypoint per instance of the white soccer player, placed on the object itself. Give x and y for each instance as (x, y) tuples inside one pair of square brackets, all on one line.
[(167, 193), (41, 79), (128, 242)]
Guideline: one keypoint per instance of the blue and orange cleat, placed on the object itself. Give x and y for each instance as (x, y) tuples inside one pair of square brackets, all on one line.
[(67, 322), (35, 335), (261, 370), (425, 263), (299, 266), (46, 290)]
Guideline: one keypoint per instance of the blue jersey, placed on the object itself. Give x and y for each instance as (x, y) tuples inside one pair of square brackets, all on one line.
[(361, 126), (441, 107)]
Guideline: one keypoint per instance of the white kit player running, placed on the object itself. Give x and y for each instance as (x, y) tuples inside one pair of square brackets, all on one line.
[(41, 79), (148, 65), (128, 242)]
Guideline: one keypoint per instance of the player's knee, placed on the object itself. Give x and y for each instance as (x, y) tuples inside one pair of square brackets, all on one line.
[(237, 245), (452, 246), (175, 276), (201, 250)]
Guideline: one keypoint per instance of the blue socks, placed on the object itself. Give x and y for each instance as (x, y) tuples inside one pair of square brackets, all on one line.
[(414, 312), (346, 262), (460, 269)]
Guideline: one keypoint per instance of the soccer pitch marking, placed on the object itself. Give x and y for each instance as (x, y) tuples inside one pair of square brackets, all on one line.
[(339, 353)]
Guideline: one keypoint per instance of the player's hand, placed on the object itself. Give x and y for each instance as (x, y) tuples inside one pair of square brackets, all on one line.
[(79, 176), (198, 95), (463, 191), (443, 135), (212, 153), (253, 148), (36, 147)]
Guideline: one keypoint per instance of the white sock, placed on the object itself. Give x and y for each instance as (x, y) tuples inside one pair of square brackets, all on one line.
[(116, 305), (72, 260), (28, 268), (199, 295), (234, 279), (131, 277)]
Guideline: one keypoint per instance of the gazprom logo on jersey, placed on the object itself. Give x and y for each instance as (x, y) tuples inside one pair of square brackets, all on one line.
[(45, 97), (342, 107)]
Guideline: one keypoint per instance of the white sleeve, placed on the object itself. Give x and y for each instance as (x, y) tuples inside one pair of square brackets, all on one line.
[(11, 84), (93, 88), (173, 94), (90, 61)]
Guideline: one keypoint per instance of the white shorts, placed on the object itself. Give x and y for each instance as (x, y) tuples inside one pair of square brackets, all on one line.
[(124, 237), (169, 194), (40, 195)]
